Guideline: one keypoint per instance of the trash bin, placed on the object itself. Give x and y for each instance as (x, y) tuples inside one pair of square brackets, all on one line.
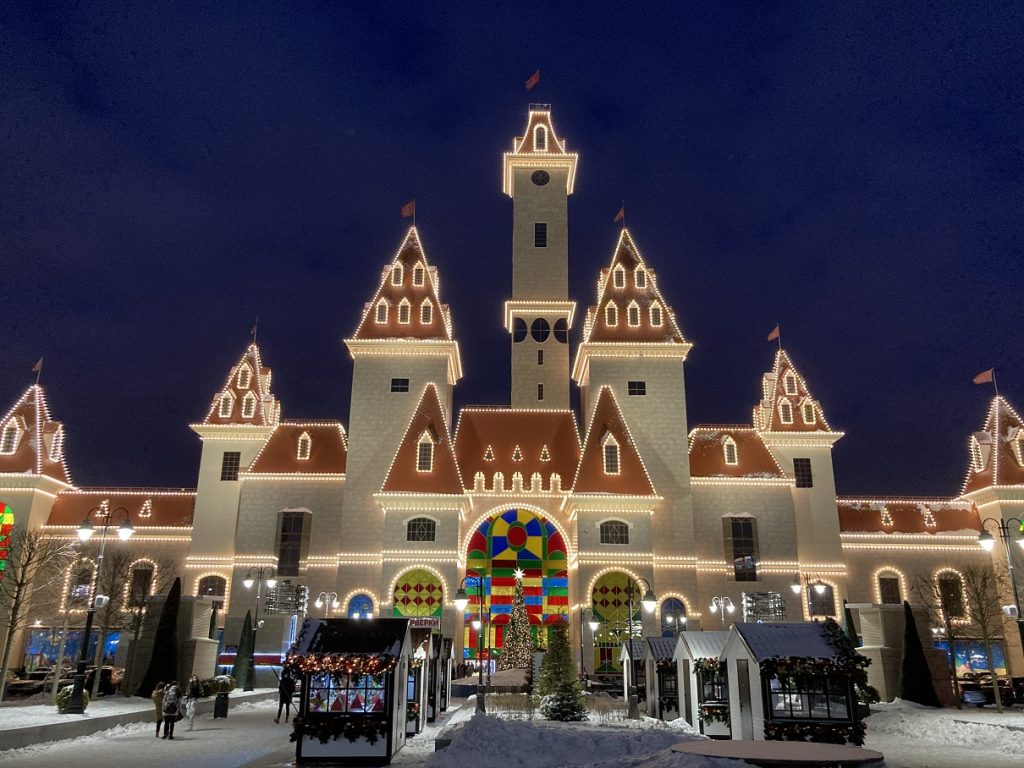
[(220, 706)]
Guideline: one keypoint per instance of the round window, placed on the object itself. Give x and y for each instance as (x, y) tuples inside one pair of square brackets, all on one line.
[(518, 330), (562, 331), (540, 178), (540, 330)]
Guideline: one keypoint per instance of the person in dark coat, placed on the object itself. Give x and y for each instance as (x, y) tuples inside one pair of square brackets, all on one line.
[(285, 691), (172, 709)]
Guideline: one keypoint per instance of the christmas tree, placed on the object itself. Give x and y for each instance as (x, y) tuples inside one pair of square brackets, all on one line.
[(517, 652), (559, 686)]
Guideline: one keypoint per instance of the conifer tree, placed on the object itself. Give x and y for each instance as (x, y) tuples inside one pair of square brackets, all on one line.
[(163, 664), (244, 655), (916, 676), (563, 699), (517, 652)]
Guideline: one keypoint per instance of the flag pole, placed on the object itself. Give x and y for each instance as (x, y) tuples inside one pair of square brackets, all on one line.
[(39, 370), (779, 326), (255, 329), (995, 384), (623, 213)]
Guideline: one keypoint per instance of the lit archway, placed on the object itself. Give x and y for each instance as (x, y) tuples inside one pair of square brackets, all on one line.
[(418, 593), (610, 598)]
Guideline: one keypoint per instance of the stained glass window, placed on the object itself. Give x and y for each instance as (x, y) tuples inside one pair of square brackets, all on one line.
[(6, 526)]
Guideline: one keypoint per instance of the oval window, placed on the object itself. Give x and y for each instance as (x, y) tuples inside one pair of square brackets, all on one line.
[(518, 330), (562, 331), (540, 330)]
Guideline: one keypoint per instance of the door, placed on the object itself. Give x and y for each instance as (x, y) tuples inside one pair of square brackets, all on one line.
[(746, 713), (687, 692)]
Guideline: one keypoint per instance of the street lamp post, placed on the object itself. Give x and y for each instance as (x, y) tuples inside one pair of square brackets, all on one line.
[(987, 542), (461, 601), (721, 606), (649, 602), (263, 574), (76, 705), (593, 624), (677, 620), (819, 587), (330, 599)]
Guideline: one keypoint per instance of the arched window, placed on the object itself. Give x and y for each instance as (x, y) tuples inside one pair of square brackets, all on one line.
[(633, 314), (656, 315), (730, 451), (305, 445), (614, 532), (809, 417), (139, 583), (821, 602), (227, 403), (889, 592), (789, 382), (360, 607), (786, 412), (425, 453), (417, 275), (248, 405), (640, 278), (611, 314), (213, 587), (382, 311), (421, 529), (619, 277), (540, 139), (611, 455), (397, 274), (9, 439), (951, 594), (80, 584), (404, 312), (673, 617), (426, 312), (244, 376)]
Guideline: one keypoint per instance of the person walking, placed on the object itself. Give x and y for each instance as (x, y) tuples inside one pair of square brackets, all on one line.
[(192, 696), (158, 702), (172, 710), (285, 691)]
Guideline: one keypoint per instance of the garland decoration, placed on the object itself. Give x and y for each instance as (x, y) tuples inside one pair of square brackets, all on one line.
[(846, 666), (412, 709), (714, 712), (325, 729), (708, 667), (341, 663), (823, 733)]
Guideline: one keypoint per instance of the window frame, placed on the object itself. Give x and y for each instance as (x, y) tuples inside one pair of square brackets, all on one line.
[(230, 466), (785, 411), (399, 385), (540, 234), (10, 437), (611, 314), (611, 455), (249, 405), (640, 278), (404, 312), (728, 443), (803, 472), (657, 315), (397, 275), (613, 533), (304, 442), (425, 453), (633, 314), (742, 546), (381, 312), (426, 312), (636, 388), (418, 275), (425, 529), (247, 382)]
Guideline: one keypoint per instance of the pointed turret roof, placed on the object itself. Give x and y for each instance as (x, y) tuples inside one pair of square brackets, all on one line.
[(607, 424), (997, 450), (30, 441), (247, 382), (786, 402), (428, 422), (630, 307), (410, 282), (539, 145)]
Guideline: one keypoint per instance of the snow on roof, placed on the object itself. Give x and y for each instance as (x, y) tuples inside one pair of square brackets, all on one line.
[(661, 648), (767, 641), (703, 645)]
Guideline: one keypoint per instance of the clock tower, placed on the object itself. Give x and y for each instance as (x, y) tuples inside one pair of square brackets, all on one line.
[(539, 176)]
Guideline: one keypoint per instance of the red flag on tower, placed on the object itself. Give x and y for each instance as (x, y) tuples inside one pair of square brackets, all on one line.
[(776, 332), (38, 366), (409, 209), (533, 80), (985, 377), (621, 215)]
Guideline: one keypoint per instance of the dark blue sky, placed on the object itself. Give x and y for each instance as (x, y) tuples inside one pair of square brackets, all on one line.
[(169, 172)]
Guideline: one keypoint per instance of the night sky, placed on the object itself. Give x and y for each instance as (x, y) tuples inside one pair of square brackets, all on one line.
[(171, 171)]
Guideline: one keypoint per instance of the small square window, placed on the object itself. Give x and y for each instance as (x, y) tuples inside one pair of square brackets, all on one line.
[(802, 472), (636, 388), (230, 464), (540, 235), (399, 385)]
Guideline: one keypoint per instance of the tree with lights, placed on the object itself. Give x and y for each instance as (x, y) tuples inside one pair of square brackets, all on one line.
[(517, 651)]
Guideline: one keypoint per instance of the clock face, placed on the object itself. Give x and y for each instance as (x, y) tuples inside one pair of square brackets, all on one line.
[(540, 178)]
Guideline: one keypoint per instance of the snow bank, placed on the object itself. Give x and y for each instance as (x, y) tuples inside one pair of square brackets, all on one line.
[(923, 725)]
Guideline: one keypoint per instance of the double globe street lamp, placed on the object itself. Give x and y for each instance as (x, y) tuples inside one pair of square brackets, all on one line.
[(988, 542), (461, 601), (258, 575), (593, 624), (722, 606), (76, 705), (649, 602), (330, 599)]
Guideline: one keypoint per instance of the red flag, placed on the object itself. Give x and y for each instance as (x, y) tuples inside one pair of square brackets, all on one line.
[(985, 377), (533, 80), (38, 366), (621, 215), (776, 332), (409, 209)]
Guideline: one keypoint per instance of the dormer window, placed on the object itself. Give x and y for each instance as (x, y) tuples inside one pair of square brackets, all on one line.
[(540, 139), (397, 274), (640, 278), (248, 405), (305, 445), (1017, 445), (789, 383), (611, 314), (619, 277), (404, 312), (610, 452), (382, 312), (417, 275), (426, 312), (425, 453), (656, 316), (633, 314), (245, 377), (227, 402), (732, 457), (786, 412), (9, 439), (57, 444), (977, 458), (808, 413)]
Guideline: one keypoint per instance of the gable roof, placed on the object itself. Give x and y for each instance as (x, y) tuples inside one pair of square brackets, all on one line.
[(596, 327), (410, 255), (486, 440), (768, 641), (632, 479), (661, 648), (443, 477), (705, 644), (931, 516), (999, 441), (328, 450), (268, 410), (147, 507), (352, 636), (39, 441), (707, 453), (773, 392), (526, 153)]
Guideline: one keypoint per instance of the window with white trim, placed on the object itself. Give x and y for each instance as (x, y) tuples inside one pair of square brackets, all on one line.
[(611, 314), (404, 312), (656, 315), (640, 278), (139, 581), (731, 453), (808, 412), (977, 457), (248, 405), (421, 529), (244, 376), (619, 277), (610, 454), (741, 546), (426, 312), (425, 453), (889, 592), (614, 532), (1017, 444), (213, 587), (951, 594), (305, 446), (417, 275), (821, 603), (382, 312), (57, 444), (633, 314), (227, 402), (789, 383), (785, 412), (397, 274), (9, 441), (540, 139), (80, 590)]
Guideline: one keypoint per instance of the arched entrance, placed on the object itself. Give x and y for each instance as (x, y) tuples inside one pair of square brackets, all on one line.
[(611, 609), (515, 539)]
